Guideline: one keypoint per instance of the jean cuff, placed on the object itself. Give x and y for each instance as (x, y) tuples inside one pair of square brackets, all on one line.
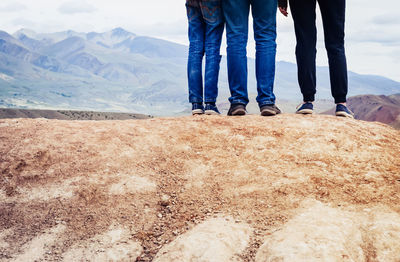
[(197, 101), (211, 100), (266, 103), (239, 101)]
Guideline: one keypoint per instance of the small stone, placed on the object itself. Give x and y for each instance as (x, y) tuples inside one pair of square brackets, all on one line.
[(165, 200), (160, 215)]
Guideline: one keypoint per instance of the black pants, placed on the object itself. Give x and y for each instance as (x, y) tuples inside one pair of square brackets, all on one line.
[(333, 17)]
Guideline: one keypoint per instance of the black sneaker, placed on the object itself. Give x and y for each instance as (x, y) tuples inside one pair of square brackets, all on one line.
[(237, 110), (197, 109), (343, 111), (269, 110), (305, 109), (211, 109)]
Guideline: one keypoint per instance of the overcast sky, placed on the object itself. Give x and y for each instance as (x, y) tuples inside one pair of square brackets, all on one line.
[(372, 29)]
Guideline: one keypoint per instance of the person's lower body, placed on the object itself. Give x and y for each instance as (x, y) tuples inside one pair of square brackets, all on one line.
[(236, 13), (205, 36), (333, 16)]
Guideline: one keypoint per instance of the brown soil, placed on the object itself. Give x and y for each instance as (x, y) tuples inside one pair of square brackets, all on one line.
[(158, 178)]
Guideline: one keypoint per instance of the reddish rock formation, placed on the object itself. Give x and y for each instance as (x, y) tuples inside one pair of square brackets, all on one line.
[(384, 109)]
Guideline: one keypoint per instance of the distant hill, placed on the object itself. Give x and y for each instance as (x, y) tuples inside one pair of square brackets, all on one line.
[(384, 109), (7, 113), (123, 72)]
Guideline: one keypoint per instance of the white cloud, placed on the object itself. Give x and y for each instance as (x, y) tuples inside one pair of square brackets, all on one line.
[(76, 7), (21, 22), (387, 19), (13, 7), (376, 36)]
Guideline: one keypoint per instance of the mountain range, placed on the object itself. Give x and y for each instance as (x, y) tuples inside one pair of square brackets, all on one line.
[(123, 72)]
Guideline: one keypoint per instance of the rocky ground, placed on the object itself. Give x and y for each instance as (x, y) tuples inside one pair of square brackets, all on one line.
[(287, 188)]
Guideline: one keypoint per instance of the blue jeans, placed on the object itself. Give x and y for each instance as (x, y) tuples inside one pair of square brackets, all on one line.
[(206, 26), (236, 13)]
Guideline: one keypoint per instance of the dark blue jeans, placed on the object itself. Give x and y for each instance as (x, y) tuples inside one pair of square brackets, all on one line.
[(206, 26), (333, 17), (236, 13)]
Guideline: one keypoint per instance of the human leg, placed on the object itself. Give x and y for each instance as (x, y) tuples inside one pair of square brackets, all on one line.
[(264, 22), (213, 17), (333, 17), (236, 13), (304, 16), (196, 53)]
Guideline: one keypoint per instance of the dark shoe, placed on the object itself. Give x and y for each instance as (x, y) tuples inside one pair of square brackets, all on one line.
[(343, 111), (237, 110), (211, 109), (306, 109), (269, 110), (197, 109)]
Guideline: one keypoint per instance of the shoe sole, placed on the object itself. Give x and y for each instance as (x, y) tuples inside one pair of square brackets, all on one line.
[(211, 113), (344, 114), (197, 112), (238, 112), (305, 112), (268, 113)]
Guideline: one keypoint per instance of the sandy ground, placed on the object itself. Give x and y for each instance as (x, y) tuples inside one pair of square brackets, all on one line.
[(287, 188)]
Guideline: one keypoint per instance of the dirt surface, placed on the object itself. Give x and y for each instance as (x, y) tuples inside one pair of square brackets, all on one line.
[(124, 190)]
